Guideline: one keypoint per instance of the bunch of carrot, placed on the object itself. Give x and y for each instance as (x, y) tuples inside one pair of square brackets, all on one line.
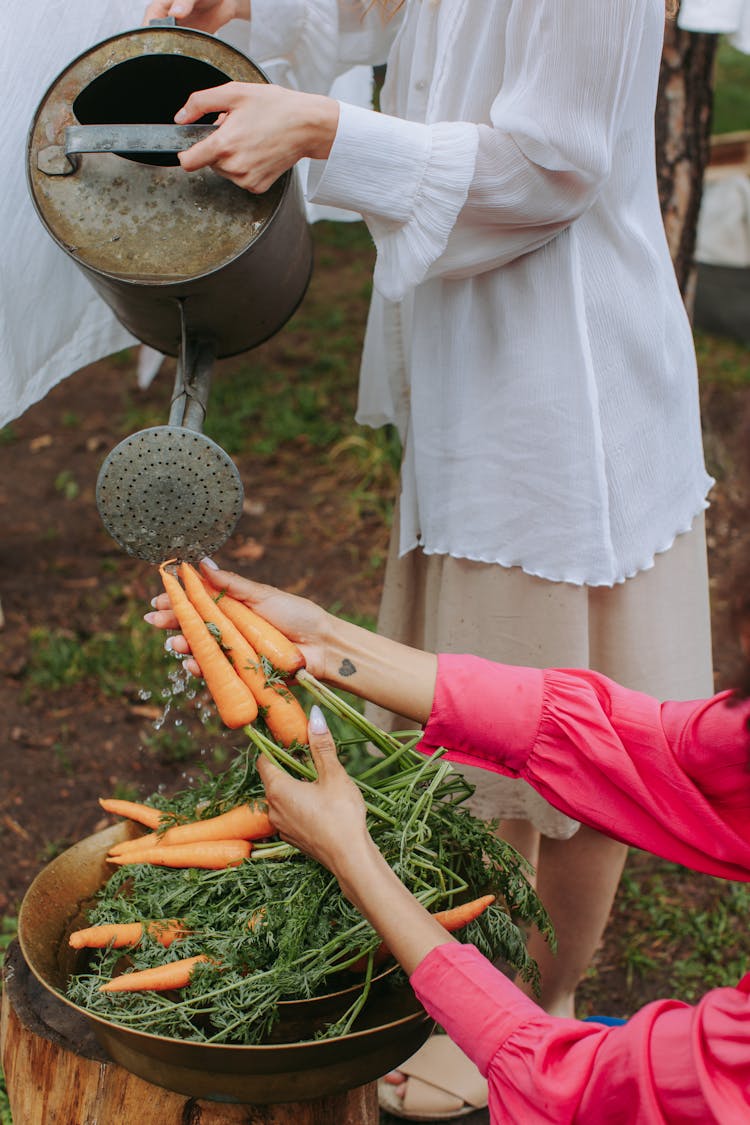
[(176, 974), (215, 842), (231, 642), (248, 935), (212, 843)]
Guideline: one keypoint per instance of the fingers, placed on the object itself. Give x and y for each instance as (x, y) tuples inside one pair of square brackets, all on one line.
[(162, 617), (217, 99), (177, 644), (244, 589), (269, 772), (158, 10), (179, 647), (279, 789), (322, 747)]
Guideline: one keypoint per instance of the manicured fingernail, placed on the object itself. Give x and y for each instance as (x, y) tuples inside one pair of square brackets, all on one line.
[(149, 617), (209, 563), (317, 722), (153, 603), (168, 645), (180, 115)]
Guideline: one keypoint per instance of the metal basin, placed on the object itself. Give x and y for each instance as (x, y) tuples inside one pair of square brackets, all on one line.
[(391, 1027)]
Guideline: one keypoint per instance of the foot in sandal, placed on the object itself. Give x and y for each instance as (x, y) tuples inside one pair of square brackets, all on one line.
[(437, 1083)]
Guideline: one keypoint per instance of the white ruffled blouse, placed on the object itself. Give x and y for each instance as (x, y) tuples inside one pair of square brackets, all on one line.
[(718, 17), (526, 334)]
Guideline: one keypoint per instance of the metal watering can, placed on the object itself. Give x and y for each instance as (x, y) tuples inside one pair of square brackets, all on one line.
[(190, 264)]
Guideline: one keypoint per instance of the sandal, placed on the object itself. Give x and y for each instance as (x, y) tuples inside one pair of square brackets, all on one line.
[(441, 1084)]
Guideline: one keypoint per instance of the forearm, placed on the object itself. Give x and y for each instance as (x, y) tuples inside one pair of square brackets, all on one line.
[(408, 930), (389, 674)]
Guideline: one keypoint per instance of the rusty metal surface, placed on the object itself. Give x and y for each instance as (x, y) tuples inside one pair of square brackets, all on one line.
[(169, 492), (392, 1026), (134, 220), (146, 233)]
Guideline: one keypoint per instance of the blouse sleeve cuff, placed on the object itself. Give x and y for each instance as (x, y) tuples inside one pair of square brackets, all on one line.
[(408, 180), (486, 714), (473, 1001), (304, 34)]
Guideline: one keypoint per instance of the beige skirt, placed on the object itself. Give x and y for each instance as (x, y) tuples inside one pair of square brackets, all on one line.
[(651, 633)]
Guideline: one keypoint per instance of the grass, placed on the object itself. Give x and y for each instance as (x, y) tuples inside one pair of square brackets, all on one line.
[(127, 660), (5, 1116), (681, 928), (731, 113), (8, 930), (723, 362)]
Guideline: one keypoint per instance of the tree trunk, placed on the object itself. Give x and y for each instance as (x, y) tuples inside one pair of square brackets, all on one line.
[(683, 132)]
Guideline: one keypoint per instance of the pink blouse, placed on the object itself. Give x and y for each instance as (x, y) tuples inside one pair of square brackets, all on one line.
[(671, 778)]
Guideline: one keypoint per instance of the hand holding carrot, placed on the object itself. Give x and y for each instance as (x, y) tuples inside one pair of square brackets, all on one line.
[(342, 654), (323, 818), (298, 619), (326, 819)]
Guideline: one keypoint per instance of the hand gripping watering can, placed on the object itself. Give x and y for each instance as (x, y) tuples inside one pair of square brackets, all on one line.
[(189, 263)]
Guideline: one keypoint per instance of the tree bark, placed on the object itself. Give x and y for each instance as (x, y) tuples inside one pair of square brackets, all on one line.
[(683, 134)]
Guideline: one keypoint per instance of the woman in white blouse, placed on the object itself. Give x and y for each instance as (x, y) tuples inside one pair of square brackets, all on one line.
[(526, 336)]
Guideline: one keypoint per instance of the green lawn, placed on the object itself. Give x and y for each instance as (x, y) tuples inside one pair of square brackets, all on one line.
[(731, 90)]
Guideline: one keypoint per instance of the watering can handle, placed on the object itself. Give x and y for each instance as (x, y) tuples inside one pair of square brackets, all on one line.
[(133, 138)]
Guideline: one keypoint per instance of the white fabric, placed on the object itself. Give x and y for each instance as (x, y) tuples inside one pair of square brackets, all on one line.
[(526, 335), (723, 235), (728, 17), (52, 322)]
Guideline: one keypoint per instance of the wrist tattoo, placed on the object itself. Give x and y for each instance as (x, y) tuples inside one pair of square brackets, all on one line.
[(347, 668)]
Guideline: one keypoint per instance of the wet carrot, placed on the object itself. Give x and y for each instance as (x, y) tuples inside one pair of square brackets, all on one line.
[(207, 854), (262, 635), (132, 810), (245, 822), (176, 974), (122, 934), (282, 713), (234, 700)]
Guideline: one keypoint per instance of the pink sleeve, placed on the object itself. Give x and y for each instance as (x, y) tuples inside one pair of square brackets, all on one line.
[(671, 778), (669, 1063)]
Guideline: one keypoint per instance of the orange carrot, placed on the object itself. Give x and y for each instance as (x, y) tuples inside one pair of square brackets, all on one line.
[(142, 814), (455, 918), (208, 854), (122, 934), (262, 635), (282, 713), (176, 974), (234, 700), (245, 822)]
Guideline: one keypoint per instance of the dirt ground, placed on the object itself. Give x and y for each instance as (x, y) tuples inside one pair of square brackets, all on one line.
[(60, 751)]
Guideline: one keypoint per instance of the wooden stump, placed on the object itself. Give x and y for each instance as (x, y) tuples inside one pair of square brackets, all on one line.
[(57, 1074)]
